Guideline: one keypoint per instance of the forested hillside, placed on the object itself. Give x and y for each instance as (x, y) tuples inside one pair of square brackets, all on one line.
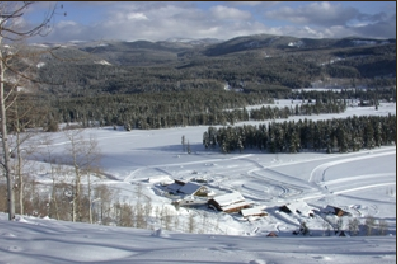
[(145, 85), (250, 63)]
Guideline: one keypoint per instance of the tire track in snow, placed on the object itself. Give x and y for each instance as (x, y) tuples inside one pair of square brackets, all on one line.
[(286, 187), (365, 187), (130, 176), (320, 169), (126, 179), (288, 177), (360, 177)]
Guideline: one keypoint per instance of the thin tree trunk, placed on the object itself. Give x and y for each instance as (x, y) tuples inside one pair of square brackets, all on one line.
[(89, 197), (6, 154), (21, 183)]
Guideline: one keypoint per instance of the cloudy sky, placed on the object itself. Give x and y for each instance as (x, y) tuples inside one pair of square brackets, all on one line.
[(155, 21)]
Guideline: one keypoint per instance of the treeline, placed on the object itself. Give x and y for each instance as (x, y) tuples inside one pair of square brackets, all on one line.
[(198, 107), (181, 108), (267, 113), (155, 110), (335, 135)]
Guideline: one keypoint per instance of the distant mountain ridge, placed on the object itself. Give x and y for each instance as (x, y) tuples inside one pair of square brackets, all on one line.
[(218, 47)]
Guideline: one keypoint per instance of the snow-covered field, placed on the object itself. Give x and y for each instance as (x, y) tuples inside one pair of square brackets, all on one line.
[(362, 183)]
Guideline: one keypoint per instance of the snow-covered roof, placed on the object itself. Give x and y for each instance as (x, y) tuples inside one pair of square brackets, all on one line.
[(234, 205), (253, 210), (161, 179), (102, 62), (330, 209), (229, 198), (190, 188), (174, 187)]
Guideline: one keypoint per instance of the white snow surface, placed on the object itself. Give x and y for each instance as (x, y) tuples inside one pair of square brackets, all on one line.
[(47, 241), (229, 198), (253, 210), (362, 183)]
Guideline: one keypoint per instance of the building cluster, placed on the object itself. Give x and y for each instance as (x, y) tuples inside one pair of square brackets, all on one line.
[(193, 194)]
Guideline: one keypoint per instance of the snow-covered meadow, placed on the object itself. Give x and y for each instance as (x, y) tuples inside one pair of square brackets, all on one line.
[(362, 183)]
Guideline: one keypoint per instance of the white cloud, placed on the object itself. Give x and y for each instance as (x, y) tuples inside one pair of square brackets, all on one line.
[(323, 13), (66, 23), (224, 12), (253, 3), (249, 3), (156, 21), (210, 31), (136, 16)]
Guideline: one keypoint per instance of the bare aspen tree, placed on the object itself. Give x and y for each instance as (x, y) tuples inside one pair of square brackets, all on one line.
[(157, 214), (351, 226), (168, 219), (183, 143), (14, 32), (161, 216), (148, 212), (324, 227), (177, 223), (74, 151), (24, 113), (140, 215), (83, 156), (340, 223), (370, 222), (191, 223), (125, 214), (139, 206), (47, 152), (90, 163), (104, 197), (382, 227), (355, 226), (303, 228)]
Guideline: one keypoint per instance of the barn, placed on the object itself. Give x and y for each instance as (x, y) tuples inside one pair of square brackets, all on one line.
[(253, 211), (230, 202), (337, 211)]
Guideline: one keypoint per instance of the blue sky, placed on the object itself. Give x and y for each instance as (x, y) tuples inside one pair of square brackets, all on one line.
[(156, 21)]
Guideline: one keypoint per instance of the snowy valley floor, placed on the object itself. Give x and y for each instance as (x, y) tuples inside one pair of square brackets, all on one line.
[(362, 182)]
